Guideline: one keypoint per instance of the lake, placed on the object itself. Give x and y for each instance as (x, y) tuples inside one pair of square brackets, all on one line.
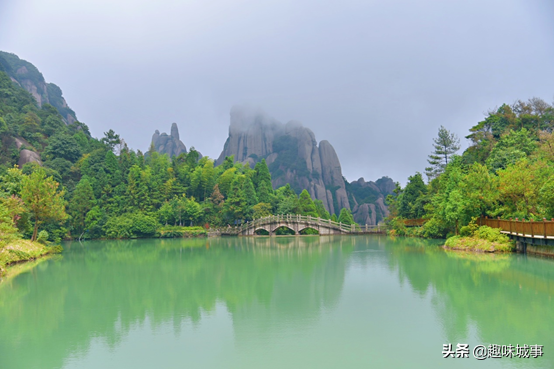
[(273, 302)]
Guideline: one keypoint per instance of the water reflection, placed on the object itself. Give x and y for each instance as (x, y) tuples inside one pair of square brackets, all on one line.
[(361, 297), (102, 289), (507, 298)]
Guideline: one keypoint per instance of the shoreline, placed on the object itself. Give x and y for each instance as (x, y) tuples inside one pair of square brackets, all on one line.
[(23, 251)]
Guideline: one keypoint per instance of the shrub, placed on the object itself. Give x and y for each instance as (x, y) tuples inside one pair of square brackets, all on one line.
[(491, 234), (131, 225), (43, 237)]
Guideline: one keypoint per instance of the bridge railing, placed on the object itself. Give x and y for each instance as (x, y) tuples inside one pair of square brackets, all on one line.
[(346, 228), (536, 229)]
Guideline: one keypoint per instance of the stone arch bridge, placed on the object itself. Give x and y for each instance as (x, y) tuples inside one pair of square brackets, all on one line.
[(296, 223)]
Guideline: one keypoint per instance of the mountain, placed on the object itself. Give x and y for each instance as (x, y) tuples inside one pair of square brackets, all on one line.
[(36, 125), (294, 156), (28, 76), (168, 144)]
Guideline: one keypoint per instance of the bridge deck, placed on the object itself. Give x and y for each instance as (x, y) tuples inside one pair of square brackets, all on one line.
[(528, 235)]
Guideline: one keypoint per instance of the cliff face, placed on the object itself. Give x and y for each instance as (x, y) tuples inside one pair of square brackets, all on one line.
[(28, 76), (168, 144), (294, 156), (367, 199)]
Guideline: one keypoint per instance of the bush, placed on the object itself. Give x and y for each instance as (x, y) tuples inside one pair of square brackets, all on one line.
[(43, 237), (491, 234), (131, 225), (483, 238), (434, 228), (470, 229)]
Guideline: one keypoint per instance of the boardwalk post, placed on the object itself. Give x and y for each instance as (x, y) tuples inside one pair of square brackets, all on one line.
[(544, 224), (510, 225), (532, 231)]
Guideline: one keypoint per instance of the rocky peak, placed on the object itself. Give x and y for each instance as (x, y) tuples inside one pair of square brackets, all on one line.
[(294, 156), (291, 152), (168, 144)]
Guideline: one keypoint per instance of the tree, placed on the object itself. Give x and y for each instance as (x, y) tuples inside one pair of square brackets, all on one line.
[(236, 204), (82, 201), (261, 210), (265, 192), (8, 231), (217, 197), (446, 145), (321, 211), (249, 192), (261, 174), (225, 180), (346, 217), (411, 200), (510, 148), (111, 139), (41, 195), (306, 204), (62, 146)]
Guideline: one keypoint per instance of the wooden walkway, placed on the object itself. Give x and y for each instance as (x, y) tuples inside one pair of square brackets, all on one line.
[(529, 229)]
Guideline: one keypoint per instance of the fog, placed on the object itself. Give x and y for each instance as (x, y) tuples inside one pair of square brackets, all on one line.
[(375, 78)]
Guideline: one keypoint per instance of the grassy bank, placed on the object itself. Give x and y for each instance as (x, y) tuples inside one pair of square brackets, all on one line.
[(482, 239), (24, 250)]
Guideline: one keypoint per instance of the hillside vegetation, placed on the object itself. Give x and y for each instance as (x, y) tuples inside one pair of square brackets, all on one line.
[(83, 187), (507, 172)]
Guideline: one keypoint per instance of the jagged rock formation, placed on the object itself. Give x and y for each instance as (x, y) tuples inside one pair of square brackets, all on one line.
[(294, 156), (367, 199), (28, 76), (168, 144)]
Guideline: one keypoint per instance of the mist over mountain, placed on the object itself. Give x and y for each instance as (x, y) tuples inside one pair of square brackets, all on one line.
[(294, 156)]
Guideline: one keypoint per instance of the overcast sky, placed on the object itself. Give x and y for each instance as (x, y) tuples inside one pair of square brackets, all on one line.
[(375, 78)]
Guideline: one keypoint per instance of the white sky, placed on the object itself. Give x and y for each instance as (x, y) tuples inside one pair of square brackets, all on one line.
[(375, 78)]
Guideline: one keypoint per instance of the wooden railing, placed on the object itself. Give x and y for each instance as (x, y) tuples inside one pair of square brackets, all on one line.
[(414, 222), (526, 228)]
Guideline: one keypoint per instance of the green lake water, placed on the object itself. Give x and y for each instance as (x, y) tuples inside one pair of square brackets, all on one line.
[(279, 302)]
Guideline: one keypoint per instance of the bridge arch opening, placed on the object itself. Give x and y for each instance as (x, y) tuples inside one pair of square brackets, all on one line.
[(309, 231), (284, 231), (261, 232)]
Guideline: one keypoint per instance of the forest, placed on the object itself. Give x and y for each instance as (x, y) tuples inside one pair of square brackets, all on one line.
[(507, 172), (99, 188)]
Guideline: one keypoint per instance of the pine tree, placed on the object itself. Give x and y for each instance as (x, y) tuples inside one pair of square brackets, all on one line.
[(262, 174), (265, 193), (236, 204), (249, 192), (346, 217), (446, 145), (321, 211), (306, 204)]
